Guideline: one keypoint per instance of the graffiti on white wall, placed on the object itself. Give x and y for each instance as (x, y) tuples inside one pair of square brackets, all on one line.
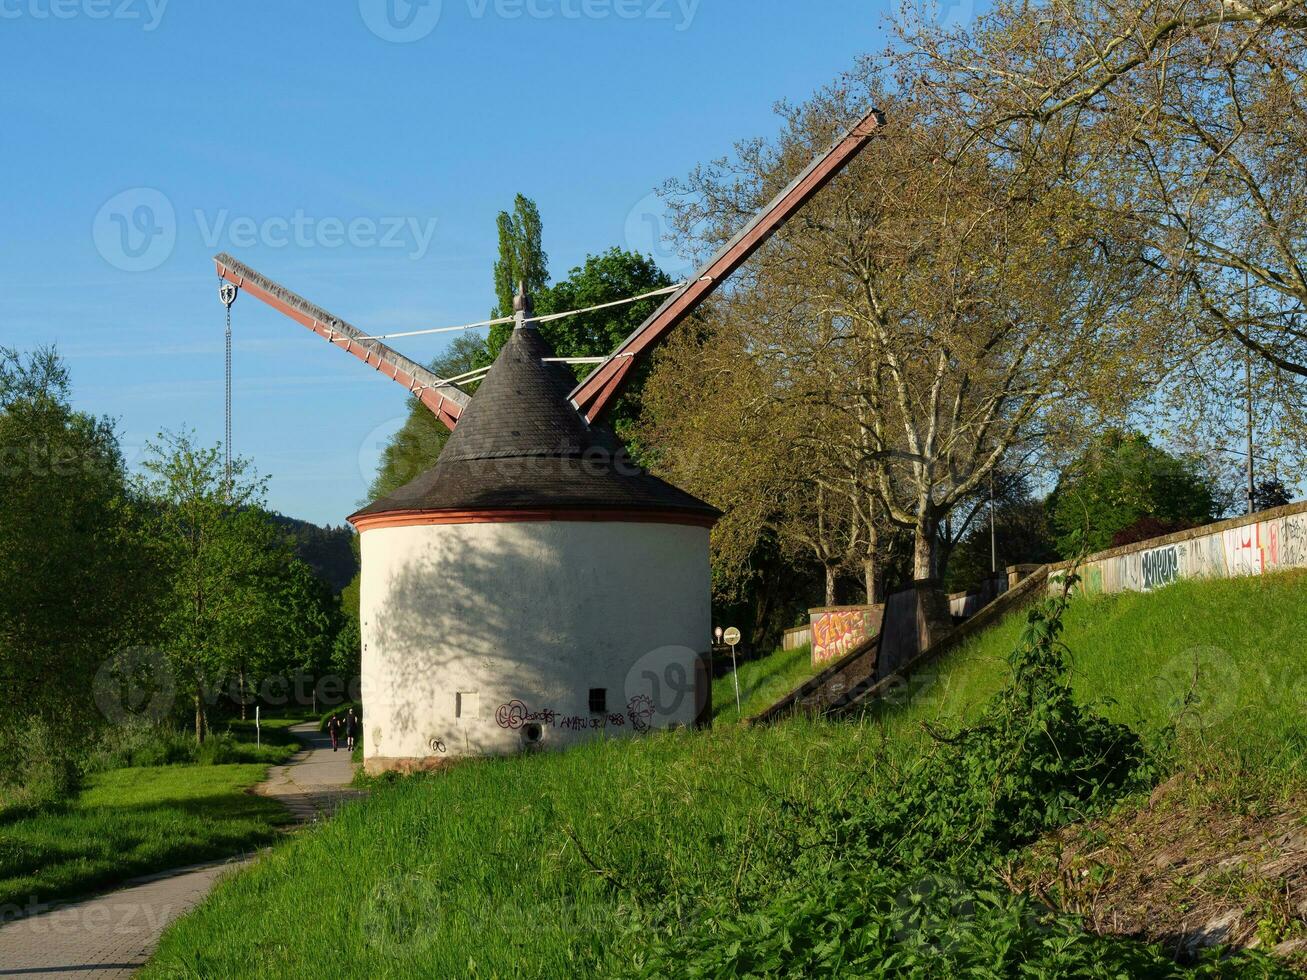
[(1243, 550), (1250, 549), (1159, 567)]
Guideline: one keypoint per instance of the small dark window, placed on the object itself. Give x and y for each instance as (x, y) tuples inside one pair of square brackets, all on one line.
[(598, 700)]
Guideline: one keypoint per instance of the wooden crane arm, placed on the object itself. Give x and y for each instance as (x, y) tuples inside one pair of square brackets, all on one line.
[(597, 391), (446, 400)]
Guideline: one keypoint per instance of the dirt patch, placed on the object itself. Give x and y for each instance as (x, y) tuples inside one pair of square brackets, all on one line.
[(1186, 874)]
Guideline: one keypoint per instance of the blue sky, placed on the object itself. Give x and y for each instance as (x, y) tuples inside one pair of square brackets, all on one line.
[(142, 136)]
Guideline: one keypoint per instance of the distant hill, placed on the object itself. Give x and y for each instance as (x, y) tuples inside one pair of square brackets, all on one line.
[(329, 551)]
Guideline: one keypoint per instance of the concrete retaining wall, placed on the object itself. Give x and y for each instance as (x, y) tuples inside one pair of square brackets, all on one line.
[(887, 681), (799, 636), (882, 661), (964, 605), (1274, 540)]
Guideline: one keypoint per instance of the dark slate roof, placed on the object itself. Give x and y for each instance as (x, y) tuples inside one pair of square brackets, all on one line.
[(520, 445)]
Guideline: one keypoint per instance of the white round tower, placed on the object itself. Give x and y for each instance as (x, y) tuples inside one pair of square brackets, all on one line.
[(534, 589)]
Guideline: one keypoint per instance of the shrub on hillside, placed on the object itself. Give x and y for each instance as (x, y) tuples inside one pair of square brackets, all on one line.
[(41, 768), (904, 880), (146, 745), (139, 744)]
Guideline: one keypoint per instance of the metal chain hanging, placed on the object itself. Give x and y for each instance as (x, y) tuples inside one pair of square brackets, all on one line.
[(227, 294)]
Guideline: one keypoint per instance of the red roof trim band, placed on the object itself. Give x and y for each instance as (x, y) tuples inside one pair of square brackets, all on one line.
[(423, 518)]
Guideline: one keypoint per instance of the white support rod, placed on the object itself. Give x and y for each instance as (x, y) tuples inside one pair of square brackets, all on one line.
[(548, 318)]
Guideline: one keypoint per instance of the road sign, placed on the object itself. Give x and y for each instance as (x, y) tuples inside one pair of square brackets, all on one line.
[(731, 637)]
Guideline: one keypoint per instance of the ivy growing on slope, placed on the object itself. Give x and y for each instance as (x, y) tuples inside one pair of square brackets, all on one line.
[(906, 881)]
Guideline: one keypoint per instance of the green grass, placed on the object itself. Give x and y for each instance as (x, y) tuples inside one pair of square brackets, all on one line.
[(480, 865), (231, 742), (131, 822), (275, 741), (763, 682), (1225, 661), (532, 866)]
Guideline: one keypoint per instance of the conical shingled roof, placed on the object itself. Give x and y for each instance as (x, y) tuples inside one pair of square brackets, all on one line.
[(520, 445)]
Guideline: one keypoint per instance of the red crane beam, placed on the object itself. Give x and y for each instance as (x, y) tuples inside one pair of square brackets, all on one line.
[(595, 393), (446, 400)]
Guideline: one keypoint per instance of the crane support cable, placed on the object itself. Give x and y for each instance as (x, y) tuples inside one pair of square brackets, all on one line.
[(547, 318)]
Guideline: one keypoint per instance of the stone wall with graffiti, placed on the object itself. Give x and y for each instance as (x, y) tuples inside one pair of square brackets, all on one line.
[(836, 630), (1274, 540)]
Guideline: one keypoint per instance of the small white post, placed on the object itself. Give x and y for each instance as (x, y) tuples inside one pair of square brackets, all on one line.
[(732, 637), (258, 733), (735, 675)]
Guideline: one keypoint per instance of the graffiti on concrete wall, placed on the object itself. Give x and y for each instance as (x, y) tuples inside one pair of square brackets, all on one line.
[(836, 632), (515, 714), (1159, 567), (1243, 550), (1251, 549), (1293, 541)]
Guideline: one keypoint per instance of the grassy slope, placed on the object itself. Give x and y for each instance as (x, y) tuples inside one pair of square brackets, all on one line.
[(1235, 650), (495, 868), (131, 822), (763, 682), (481, 865)]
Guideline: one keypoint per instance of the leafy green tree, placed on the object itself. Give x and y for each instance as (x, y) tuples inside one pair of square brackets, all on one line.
[(1120, 480), (73, 582), (522, 258), (221, 557), (1022, 535), (1271, 493), (347, 647), (417, 445), (306, 621), (604, 278), (259, 633)]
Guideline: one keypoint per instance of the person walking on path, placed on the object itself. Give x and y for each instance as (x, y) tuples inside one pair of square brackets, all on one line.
[(351, 729), (333, 729)]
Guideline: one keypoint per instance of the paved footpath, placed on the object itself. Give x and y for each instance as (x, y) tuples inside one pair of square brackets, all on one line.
[(113, 935)]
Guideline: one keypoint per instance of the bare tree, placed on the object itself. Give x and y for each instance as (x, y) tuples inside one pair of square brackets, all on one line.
[(940, 319), (718, 429), (1181, 122)]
